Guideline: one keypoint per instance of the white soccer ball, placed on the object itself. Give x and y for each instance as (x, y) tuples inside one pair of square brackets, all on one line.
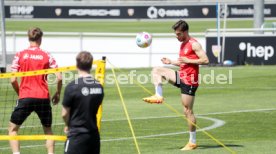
[(143, 39)]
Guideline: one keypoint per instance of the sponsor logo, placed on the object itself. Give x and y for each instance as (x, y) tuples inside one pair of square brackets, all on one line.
[(265, 52), (224, 11), (94, 12), (34, 57), (216, 49), (185, 51), (205, 11), (130, 12), (25, 56), (153, 12), (85, 91), (247, 11), (21, 10), (96, 91), (58, 11)]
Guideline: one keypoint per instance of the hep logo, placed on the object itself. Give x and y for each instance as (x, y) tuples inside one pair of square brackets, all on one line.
[(259, 51)]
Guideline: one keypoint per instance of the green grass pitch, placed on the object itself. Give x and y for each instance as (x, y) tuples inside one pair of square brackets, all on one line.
[(247, 108), (244, 111)]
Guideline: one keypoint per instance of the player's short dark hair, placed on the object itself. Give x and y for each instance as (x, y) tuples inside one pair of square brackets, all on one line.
[(181, 25), (84, 61), (35, 34)]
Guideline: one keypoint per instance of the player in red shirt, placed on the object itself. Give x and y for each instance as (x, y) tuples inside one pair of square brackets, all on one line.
[(33, 90), (191, 55)]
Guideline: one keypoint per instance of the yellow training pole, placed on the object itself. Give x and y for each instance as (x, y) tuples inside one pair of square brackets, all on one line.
[(100, 75)]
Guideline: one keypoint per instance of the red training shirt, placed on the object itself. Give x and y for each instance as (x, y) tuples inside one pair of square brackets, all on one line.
[(32, 59), (188, 72)]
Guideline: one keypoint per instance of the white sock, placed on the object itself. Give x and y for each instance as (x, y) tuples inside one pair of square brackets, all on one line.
[(158, 90), (193, 137), (16, 152)]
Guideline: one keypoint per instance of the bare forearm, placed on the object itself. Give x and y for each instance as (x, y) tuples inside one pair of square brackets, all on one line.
[(65, 115), (176, 63), (59, 86), (59, 82), (15, 87), (198, 61), (66, 119)]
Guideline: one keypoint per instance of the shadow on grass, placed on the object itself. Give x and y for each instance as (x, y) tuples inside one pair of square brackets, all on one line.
[(218, 146)]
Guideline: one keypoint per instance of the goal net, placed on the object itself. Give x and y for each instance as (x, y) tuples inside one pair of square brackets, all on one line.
[(31, 130)]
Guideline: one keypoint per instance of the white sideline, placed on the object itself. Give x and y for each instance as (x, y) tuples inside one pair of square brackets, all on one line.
[(217, 123)]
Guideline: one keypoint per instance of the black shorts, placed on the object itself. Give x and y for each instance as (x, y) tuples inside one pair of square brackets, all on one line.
[(26, 106), (185, 89), (82, 144)]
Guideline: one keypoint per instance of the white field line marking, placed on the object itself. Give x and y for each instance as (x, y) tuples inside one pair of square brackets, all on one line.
[(144, 118), (215, 113), (215, 125)]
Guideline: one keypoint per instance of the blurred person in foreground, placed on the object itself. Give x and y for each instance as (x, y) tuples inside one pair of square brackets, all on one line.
[(82, 98), (191, 55)]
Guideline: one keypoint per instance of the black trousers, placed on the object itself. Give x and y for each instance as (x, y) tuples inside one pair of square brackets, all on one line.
[(82, 144)]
